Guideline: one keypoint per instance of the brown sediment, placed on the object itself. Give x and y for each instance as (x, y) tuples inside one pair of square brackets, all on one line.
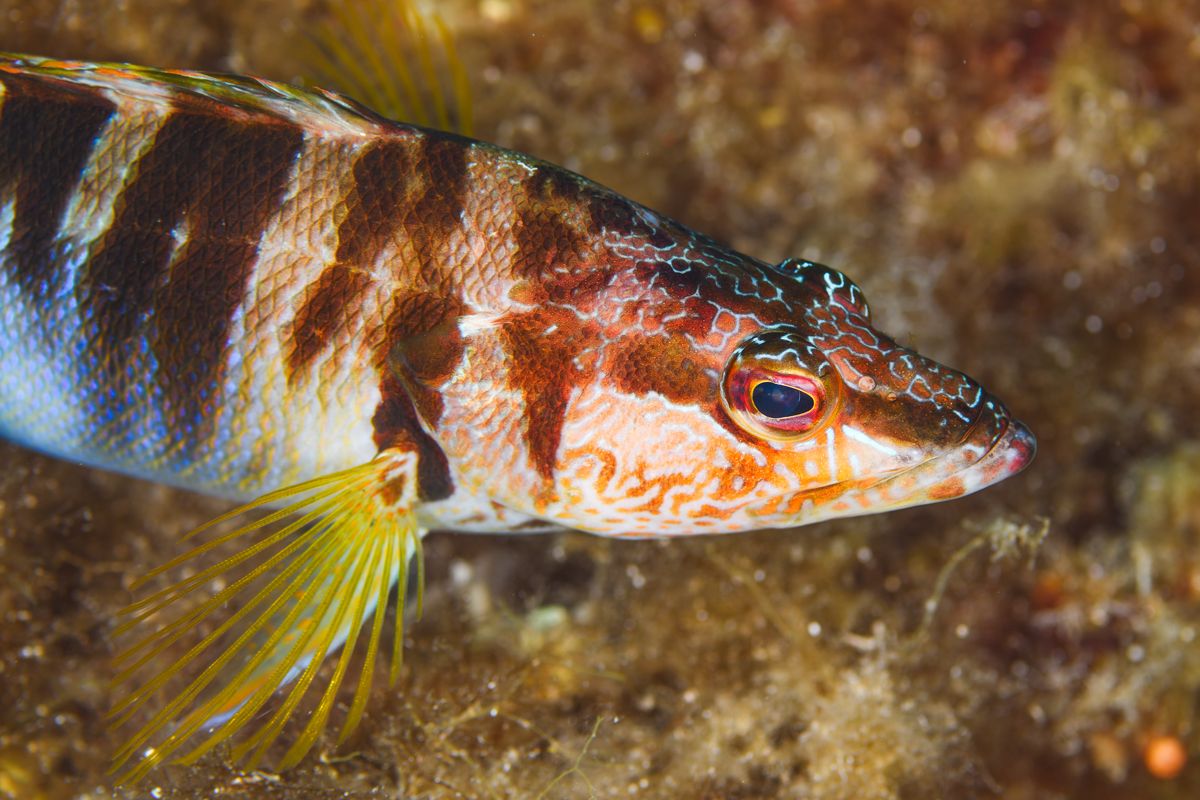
[(1014, 188)]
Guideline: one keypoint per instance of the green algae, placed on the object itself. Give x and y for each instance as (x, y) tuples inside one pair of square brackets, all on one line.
[(1014, 187)]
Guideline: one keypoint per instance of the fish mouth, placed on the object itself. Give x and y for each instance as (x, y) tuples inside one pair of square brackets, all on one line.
[(993, 449), (1009, 452)]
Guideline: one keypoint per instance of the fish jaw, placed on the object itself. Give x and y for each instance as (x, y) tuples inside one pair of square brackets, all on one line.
[(995, 447), (1008, 452)]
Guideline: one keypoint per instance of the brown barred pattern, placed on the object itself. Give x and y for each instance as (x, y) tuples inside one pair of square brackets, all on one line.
[(376, 285), (414, 193), (405, 202), (47, 131), (182, 246)]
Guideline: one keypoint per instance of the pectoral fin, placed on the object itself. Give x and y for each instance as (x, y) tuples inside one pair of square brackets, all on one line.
[(319, 568)]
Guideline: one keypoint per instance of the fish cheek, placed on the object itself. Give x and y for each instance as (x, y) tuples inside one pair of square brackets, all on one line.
[(667, 365), (899, 421)]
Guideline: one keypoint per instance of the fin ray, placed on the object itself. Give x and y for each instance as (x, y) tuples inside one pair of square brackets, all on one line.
[(363, 690), (179, 627), (397, 59), (338, 604), (198, 684), (302, 588)]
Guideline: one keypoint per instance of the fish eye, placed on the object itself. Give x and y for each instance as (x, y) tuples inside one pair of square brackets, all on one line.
[(776, 386), (779, 401), (774, 405)]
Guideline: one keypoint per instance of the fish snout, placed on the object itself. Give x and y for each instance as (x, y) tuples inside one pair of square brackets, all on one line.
[(1010, 452), (996, 447)]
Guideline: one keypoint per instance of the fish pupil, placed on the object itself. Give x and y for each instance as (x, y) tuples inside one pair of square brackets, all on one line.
[(778, 401)]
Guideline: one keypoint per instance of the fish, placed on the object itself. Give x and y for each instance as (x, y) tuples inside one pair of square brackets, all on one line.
[(361, 330)]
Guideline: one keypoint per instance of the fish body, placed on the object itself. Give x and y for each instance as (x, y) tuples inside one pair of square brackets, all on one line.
[(236, 286)]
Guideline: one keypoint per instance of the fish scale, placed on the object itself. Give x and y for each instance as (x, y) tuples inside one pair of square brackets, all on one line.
[(371, 329)]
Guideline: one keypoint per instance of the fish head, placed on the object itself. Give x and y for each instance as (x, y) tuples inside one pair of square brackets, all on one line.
[(764, 397), (666, 385), (858, 423)]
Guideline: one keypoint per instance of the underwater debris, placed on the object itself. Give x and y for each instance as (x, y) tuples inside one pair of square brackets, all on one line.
[(1007, 538), (1165, 756)]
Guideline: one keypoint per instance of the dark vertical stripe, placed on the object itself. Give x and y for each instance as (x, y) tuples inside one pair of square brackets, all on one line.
[(327, 304), (132, 259), (542, 366), (554, 258), (437, 213), (374, 211), (243, 184), (422, 344), (223, 177), (375, 205), (420, 350), (47, 131), (556, 251), (545, 239), (396, 425), (549, 182)]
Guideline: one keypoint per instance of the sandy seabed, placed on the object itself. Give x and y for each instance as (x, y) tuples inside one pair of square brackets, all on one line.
[(1015, 185)]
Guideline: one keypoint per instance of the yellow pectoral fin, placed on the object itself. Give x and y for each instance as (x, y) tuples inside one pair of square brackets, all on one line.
[(291, 597)]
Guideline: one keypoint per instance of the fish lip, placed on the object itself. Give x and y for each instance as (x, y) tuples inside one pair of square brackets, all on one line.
[(1009, 451), (1004, 453), (1015, 444)]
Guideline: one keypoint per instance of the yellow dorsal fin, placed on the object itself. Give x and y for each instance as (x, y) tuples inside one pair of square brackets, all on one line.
[(397, 59), (319, 568)]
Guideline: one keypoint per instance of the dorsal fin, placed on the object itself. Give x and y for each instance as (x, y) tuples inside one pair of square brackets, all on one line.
[(316, 109), (364, 49), (396, 58)]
